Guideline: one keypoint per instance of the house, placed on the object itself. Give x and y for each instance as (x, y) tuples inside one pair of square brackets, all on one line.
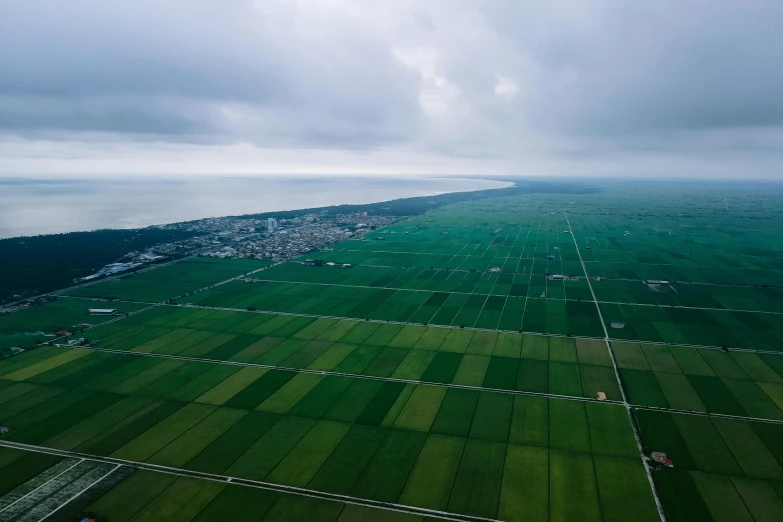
[(494, 270), (330, 263), (661, 458), (4, 430), (550, 256), (617, 325)]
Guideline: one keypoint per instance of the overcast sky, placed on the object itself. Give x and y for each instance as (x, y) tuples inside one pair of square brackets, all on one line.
[(683, 88)]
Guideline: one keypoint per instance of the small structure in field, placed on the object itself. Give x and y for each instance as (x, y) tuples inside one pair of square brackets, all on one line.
[(103, 311), (660, 459)]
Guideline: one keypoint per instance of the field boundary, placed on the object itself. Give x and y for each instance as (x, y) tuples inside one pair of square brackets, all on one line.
[(424, 383), (428, 325), (398, 289), (628, 407), (342, 374), (259, 484)]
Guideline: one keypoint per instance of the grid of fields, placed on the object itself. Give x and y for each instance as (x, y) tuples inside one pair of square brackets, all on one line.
[(25, 327), (473, 452), (467, 299), (493, 360), (461, 365), (166, 282), (34, 485)]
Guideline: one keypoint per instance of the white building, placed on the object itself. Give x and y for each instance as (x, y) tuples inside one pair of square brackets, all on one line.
[(271, 225), (102, 311)]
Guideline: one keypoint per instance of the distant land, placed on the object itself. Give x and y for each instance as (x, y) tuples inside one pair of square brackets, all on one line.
[(44, 263), (31, 207)]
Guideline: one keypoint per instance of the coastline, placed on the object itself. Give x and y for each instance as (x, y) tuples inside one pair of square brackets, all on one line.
[(46, 206)]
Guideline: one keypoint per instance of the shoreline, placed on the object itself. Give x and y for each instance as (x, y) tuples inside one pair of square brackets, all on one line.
[(84, 205)]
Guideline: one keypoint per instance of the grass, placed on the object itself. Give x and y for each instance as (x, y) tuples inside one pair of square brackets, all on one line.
[(341, 471), (432, 477), (420, 410), (507, 455), (192, 442), (572, 488), (477, 485), (524, 493), (304, 460), (144, 446)]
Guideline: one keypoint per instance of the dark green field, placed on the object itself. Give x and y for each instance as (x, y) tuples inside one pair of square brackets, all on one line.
[(509, 359)]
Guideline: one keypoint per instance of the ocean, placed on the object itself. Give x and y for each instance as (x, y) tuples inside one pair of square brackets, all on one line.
[(36, 206)]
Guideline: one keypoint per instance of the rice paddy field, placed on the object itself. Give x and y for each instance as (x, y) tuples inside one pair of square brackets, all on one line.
[(501, 359), (171, 280), (25, 327)]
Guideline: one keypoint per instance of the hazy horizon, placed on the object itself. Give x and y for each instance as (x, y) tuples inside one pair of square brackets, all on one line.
[(30, 207)]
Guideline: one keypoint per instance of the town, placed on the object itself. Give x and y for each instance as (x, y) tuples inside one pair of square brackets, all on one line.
[(250, 238)]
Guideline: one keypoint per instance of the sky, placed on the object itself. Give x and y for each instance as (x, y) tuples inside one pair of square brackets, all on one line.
[(669, 88)]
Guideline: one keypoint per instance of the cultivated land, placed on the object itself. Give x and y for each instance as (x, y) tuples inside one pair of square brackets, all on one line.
[(421, 384)]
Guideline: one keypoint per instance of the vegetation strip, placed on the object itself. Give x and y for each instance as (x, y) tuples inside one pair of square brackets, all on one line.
[(471, 328), (634, 406), (382, 321), (401, 508), (342, 374)]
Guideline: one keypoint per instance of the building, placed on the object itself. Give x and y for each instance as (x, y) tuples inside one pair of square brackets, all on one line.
[(550, 256), (494, 270), (150, 258), (4, 430), (271, 225), (102, 311), (617, 325)]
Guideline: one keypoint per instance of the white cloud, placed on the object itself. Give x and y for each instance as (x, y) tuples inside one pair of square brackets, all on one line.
[(506, 88)]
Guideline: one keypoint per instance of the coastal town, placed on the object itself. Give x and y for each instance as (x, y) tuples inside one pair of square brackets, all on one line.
[(250, 238)]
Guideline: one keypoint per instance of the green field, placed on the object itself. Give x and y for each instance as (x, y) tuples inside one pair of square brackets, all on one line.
[(469, 364)]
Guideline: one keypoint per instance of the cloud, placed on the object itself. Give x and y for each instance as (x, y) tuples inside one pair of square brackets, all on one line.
[(269, 72), (514, 86)]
